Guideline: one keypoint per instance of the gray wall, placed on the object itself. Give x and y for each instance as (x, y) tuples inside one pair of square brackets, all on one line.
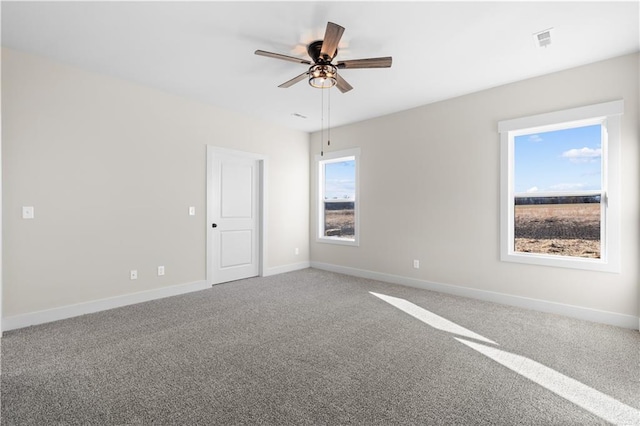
[(430, 190), (111, 169)]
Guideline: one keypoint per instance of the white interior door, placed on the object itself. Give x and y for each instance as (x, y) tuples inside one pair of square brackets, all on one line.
[(233, 216)]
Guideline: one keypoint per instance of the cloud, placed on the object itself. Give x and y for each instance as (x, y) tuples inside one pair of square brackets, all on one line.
[(567, 186), (340, 188), (532, 189), (583, 155), (535, 138)]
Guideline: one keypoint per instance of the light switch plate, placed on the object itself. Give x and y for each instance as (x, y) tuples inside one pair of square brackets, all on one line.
[(192, 211), (27, 212)]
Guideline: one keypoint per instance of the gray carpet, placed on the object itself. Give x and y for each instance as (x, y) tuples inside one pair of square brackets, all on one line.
[(307, 347)]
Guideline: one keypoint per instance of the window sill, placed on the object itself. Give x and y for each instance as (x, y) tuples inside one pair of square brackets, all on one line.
[(338, 241), (586, 264)]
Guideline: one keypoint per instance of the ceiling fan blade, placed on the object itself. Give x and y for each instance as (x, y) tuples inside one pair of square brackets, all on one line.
[(332, 36), (294, 80), (283, 57), (342, 84), (366, 63)]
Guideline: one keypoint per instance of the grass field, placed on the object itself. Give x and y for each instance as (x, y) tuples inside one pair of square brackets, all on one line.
[(339, 223), (558, 229)]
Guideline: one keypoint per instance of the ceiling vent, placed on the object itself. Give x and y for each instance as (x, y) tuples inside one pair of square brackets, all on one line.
[(543, 38)]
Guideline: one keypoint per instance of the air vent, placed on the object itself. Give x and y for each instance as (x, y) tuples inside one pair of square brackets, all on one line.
[(295, 114), (543, 38)]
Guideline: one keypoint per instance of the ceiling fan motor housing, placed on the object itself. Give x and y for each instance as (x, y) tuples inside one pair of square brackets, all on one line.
[(314, 50)]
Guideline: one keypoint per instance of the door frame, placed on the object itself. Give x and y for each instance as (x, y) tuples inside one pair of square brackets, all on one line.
[(262, 205)]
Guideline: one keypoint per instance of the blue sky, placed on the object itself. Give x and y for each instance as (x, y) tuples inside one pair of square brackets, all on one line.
[(561, 160), (340, 180)]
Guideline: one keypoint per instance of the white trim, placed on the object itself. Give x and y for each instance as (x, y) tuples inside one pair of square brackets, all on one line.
[(540, 194), (589, 112), (70, 311), (579, 312), (276, 270), (263, 164), (1, 210)]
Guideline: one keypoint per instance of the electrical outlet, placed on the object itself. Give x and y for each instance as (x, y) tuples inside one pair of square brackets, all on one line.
[(160, 270), (416, 263), (27, 212), (133, 274)]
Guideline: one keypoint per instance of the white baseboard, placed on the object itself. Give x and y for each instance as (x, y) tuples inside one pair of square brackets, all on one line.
[(286, 268), (588, 314), (63, 312)]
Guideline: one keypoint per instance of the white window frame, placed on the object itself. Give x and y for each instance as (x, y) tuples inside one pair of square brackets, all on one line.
[(335, 157), (607, 114)]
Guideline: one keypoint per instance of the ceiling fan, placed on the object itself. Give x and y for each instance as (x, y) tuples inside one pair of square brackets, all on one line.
[(322, 73)]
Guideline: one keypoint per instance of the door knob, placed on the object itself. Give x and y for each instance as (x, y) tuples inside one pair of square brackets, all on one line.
[(214, 225)]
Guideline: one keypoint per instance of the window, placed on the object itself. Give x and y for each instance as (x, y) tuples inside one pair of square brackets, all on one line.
[(560, 188), (338, 197)]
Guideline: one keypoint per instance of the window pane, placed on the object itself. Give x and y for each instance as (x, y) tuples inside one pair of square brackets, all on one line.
[(566, 160), (339, 219), (561, 226), (554, 213), (339, 199)]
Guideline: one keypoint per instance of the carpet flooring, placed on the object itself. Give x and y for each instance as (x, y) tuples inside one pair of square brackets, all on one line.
[(314, 347)]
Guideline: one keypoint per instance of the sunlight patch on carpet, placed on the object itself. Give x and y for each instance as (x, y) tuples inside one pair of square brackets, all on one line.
[(430, 318), (596, 402)]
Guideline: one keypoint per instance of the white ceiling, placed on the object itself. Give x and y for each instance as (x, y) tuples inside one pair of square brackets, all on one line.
[(204, 50)]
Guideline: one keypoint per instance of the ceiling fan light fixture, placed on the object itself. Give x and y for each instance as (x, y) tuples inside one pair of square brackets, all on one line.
[(322, 76)]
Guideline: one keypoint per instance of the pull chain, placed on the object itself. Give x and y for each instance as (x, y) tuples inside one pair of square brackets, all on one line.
[(321, 123), (329, 119)]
